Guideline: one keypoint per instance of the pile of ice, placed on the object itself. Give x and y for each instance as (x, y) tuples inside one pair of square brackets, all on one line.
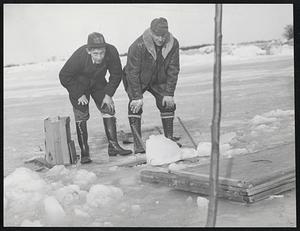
[(161, 150), (269, 121), (54, 198)]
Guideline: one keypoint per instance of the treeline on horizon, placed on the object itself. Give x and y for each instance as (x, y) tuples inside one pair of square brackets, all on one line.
[(260, 43)]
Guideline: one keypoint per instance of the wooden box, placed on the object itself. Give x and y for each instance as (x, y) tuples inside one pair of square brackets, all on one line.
[(59, 148)]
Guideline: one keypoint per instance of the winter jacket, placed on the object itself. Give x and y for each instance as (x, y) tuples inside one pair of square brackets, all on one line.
[(141, 64), (79, 75)]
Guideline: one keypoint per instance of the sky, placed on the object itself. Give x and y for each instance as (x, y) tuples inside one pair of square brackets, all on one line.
[(37, 32)]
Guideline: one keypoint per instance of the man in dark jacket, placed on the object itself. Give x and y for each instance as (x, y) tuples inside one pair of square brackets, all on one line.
[(152, 65), (83, 75)]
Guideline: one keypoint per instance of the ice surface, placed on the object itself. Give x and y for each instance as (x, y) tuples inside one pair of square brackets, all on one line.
[(29, 223), (55, 213), (101, 195)]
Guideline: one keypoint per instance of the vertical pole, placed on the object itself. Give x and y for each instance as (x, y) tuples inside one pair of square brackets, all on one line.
[(215, 127)]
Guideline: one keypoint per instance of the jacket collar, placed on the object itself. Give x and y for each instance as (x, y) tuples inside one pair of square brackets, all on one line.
[(150, 44)]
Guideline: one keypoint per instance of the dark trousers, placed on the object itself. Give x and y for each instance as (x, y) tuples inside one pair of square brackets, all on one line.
[(158, 99), (81, 112)]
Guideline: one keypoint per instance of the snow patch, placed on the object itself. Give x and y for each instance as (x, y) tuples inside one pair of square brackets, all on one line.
[(101, 195)]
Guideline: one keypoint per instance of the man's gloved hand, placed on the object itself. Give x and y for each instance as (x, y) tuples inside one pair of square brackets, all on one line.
[(109, 102), (168, 102), (136, 105), (83, 100)]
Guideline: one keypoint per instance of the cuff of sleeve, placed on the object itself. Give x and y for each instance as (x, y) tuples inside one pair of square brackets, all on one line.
[(109, 91)]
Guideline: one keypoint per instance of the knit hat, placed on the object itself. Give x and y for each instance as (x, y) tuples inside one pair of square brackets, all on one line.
[(159, 26), (96, 40)]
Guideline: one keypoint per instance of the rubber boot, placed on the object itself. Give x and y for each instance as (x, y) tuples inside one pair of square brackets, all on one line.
[(168, 129), (82, 136), (111, 132), (136, 123)]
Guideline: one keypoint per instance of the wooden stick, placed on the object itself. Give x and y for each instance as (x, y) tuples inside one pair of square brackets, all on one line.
[(139, 137), (215, 128), (187, 132)]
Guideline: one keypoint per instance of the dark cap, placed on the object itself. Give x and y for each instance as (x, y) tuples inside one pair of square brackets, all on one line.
[(96, 40), (159, 26)]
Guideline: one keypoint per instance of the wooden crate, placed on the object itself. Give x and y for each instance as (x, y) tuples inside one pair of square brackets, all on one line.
[(59, 148), (244, 178)]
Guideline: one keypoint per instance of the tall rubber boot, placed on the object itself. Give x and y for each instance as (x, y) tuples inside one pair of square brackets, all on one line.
[(168, 129), (111, 132), (82, 136), (136, 123)]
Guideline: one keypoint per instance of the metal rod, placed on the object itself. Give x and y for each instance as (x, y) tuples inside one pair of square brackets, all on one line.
[(215, 127), (187, 132)]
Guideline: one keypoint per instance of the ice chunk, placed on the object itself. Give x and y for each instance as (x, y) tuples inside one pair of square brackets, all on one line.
[(68, 194), (55, 214), (84, 178), (175, 166), (101, 195), (202, 203), (23, 179), (161, 150), (80, 213), (23, 190), (58, 170), (262, 120), (204, 148), (29, 223), (188, 153)]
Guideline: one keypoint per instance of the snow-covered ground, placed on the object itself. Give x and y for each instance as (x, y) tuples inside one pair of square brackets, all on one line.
[(257, 113)]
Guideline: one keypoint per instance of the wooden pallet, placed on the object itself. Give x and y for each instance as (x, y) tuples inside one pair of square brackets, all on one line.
[(244, 178)]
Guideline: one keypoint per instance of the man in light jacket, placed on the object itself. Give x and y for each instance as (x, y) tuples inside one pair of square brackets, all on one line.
[(83, 75), (152, 65)]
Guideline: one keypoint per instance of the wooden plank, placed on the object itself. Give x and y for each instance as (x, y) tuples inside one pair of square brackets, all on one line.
[(62, 121), (253, 169), (270, 184), (185, 184), (49, 143), (268, 193)]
